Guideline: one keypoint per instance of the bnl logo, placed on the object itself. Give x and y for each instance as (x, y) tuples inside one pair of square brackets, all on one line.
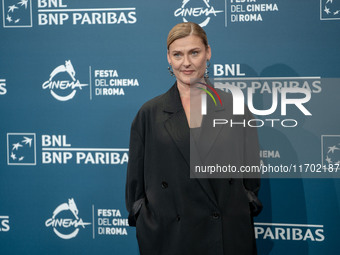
[(329, 9), (21, 149), (17, 13), (330, 150)]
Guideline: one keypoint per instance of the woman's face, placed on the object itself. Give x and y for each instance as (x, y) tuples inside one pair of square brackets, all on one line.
[(188, 56)]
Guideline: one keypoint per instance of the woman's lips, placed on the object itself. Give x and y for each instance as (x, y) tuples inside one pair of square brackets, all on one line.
[(187, 71)]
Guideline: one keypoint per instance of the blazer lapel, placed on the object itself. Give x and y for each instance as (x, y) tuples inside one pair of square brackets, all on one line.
[(177, 124), (178, 128), (209, 133)]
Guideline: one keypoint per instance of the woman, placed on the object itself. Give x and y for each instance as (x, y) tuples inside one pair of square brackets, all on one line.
[(173, 213)]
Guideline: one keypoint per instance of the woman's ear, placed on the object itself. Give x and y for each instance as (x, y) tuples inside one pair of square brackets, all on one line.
[(208, 53), (168, 57)]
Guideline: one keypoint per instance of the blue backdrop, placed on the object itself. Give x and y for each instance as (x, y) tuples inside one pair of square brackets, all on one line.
[(73, 74)]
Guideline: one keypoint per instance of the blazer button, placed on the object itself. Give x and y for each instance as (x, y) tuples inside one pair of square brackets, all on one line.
[(178, 217), (215, 215), (164, 185)]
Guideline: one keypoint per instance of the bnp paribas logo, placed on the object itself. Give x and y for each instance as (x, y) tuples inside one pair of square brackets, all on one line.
[(329, 9), (17, 13), (21, 149), (330, 150)]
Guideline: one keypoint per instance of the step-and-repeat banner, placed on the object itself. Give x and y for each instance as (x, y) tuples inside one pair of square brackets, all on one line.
[(73, 74)]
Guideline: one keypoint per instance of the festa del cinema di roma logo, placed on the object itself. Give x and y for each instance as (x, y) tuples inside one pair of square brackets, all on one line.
[(62, 82), (206, 11), (61, 224)]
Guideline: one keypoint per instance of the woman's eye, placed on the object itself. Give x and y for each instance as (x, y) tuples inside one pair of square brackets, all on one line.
[(194, 53)]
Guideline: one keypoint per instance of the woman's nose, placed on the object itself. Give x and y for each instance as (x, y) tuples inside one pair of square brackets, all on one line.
[(186, 61)]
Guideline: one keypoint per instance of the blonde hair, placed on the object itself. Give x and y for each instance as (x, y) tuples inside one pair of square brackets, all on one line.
[(185, 29)]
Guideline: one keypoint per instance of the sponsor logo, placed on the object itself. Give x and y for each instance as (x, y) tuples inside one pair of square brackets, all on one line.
[(289, 232), (21, 149), (65, 221), (17, 13), (109, 222), (330, 151), (245, 11), (63, 85), (63, 89), (228, 70), (329, 9), (232, 74), (108, 83), (58, 13), (3, 89), (200, 14), (4, 223), (56, 150)]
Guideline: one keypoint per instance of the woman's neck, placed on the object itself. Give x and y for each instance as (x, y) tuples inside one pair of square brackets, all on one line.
[(191, 97), (187, 90), (184, 90)]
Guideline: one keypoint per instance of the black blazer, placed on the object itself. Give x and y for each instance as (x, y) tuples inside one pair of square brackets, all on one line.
[(173, 213)]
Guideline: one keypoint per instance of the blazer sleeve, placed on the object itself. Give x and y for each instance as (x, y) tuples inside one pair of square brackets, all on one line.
[(134, 190)]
